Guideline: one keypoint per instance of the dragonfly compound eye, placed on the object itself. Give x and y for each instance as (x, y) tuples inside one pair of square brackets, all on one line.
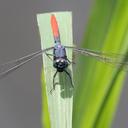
[(62, 60), (57, 60)]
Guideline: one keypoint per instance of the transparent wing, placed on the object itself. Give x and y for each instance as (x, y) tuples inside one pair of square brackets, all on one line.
[(117, 60), (10, 66)]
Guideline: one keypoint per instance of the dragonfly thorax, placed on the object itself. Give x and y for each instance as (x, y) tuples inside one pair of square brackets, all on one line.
[(59, 51)]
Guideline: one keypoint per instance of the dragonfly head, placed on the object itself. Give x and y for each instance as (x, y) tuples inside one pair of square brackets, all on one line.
[(60, 64)]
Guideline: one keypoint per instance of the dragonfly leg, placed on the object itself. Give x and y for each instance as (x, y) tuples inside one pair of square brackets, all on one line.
[(49, 56), (69, 77), (54, 84), (71, 62)]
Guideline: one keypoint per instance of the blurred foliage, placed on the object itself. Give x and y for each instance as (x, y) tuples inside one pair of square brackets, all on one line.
[(100, 85)]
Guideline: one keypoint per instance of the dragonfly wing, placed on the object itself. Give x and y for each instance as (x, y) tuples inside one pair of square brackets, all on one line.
[(15, 64), (117, 60)]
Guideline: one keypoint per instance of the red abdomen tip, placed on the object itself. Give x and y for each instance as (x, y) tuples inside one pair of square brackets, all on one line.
[(54, 26)]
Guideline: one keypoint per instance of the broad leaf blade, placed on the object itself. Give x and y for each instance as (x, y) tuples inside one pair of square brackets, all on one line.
[(60, 101)]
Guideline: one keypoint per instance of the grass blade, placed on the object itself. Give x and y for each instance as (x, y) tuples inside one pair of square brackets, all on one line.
[(60, 101), (99, 89)]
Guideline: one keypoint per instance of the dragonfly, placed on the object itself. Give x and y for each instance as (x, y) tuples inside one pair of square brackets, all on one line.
[(60, 59)]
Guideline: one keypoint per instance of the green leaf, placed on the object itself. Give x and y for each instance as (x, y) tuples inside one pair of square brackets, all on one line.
[(60, 102), (98, 92)]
